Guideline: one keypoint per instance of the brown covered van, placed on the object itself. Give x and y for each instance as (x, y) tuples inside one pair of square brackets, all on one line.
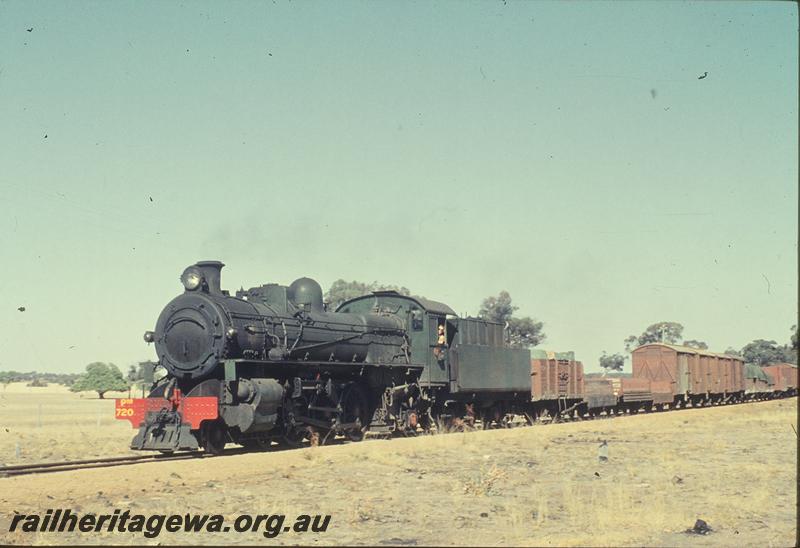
[(689, 371)]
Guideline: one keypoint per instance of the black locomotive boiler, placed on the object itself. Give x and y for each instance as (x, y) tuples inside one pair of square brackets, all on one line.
[(270, 364)]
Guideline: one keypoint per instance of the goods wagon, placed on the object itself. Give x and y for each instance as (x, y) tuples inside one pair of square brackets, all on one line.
[(784, 375), (557, 382), (555, 375), (635, 393), (624, 393), (692, 374), (599, 394)]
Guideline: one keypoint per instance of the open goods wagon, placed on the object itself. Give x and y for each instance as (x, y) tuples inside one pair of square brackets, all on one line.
[(557, 382)]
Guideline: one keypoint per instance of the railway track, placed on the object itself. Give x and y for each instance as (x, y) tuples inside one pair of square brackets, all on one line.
[(100, 462)]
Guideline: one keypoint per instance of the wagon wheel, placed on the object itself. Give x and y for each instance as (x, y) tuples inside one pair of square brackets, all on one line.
[(355, 408), (212, 437)]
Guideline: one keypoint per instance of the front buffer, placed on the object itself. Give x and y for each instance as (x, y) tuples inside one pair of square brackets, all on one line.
[(167, 424)]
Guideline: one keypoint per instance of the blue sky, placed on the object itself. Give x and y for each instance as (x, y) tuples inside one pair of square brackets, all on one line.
[(565, 152)]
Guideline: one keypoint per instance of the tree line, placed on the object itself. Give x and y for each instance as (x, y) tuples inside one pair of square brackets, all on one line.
[(38, 379), (99, 377)]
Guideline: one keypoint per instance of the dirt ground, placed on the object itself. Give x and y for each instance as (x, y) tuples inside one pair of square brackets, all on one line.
[(733, 466)]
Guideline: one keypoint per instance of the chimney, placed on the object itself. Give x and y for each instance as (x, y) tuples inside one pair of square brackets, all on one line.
[(211, 272)]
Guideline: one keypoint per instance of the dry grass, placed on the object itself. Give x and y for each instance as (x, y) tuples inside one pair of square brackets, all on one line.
[(51, 423), (484, 480)]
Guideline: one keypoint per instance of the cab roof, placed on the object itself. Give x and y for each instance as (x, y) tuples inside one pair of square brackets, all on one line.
[(434, 307)]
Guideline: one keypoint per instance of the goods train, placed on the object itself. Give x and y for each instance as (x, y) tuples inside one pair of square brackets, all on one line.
[(271, 364)]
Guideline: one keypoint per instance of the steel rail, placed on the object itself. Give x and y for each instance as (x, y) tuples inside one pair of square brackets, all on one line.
[(49, 467), (105, 462), (75, 462)]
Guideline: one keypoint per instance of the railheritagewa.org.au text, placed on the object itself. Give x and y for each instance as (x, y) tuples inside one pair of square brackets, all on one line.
[(65, 520)]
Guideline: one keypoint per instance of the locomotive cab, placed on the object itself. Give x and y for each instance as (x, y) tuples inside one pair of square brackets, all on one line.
[(468, 365), (422, 318)]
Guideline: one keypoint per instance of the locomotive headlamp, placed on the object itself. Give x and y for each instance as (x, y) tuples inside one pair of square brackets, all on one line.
[(231, 332), (149, 336), (191, 278)]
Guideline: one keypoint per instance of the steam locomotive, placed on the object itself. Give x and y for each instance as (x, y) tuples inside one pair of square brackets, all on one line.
[(270, 364)]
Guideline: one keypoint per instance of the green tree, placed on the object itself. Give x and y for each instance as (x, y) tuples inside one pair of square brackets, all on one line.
[(790, 350), (700, 345), (631, 342), (101, 378), (731, 351), (497, 309), (525, 332), (665, 332), (613, 362), (789, 354), (522, 332), (341, 291), (762, 352)]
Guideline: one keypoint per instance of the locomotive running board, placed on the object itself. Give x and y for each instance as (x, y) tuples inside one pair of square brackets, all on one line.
[(233, 368)]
